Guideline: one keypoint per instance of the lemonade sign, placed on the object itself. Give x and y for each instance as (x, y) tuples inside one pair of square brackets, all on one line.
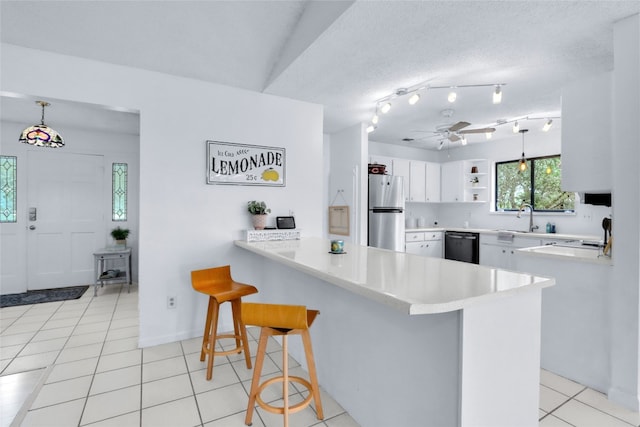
[(241, 164)]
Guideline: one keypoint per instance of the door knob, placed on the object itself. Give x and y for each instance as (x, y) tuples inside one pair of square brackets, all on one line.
[(32, 227)]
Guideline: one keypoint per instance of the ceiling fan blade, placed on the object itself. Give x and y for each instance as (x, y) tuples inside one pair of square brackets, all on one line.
[(483, 130), (456, 127), (453, 137)]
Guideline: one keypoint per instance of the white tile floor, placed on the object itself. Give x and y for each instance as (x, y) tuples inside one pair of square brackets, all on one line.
[(82, 360)]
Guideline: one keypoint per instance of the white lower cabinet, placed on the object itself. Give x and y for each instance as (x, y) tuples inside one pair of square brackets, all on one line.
[(498, 253), (424, 243)]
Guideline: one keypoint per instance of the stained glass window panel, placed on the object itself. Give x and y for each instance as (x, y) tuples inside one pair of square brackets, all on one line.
[(8, 188), (119, 192)]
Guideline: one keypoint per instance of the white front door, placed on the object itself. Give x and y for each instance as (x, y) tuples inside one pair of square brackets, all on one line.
[(65, 194)]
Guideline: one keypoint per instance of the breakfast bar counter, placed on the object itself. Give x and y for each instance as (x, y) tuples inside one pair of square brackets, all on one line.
[(410, 340)]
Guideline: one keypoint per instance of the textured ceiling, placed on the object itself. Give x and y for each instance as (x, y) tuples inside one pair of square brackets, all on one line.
[(346, 55)]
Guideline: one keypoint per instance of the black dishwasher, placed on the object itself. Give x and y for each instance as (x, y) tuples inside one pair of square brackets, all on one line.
[(462, 246)]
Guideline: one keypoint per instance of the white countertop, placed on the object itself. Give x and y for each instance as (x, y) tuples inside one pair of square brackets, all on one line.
[(410, 283), (567, 253), (516, 233)]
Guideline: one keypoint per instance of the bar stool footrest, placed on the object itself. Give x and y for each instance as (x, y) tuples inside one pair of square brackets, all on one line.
[(280, 409), (236, 350)]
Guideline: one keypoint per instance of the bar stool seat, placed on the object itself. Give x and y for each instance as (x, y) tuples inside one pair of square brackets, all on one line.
[(218, 284), (281, 320)]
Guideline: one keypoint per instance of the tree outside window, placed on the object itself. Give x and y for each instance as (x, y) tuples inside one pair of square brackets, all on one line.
[(539, 186)]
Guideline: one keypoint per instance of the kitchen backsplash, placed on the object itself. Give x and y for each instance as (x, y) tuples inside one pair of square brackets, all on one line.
[(587, 219)]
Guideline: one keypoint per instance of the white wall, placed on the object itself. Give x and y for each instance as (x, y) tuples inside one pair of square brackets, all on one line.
[(348, 179), (625, 295), (184, 223), (114, 147)]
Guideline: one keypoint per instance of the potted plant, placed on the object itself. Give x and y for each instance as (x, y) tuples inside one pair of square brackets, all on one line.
[(120, 236), (259, 212)]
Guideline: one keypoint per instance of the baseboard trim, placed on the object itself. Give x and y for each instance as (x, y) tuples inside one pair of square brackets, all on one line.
[(165, 339), (625, 399)]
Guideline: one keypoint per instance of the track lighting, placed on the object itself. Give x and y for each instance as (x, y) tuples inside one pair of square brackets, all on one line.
[(370, 128), (488, 135), (441, 145), (516, 127), (375, 119), (463, 140), (547, 125), (522, 164), (497, 95), (383, 105), (414, 98)]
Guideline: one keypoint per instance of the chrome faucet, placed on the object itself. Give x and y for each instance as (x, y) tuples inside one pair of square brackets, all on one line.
[(531, 226)]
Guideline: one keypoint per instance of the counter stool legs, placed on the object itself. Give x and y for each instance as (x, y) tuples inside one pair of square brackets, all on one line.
[(313, 376), (255, 380), (257, 388), (211, 336)]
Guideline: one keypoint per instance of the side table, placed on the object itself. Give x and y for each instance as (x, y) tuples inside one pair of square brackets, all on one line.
[(123, 256)]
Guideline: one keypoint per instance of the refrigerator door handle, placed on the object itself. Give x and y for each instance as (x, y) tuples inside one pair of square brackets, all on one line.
[(386, 210)]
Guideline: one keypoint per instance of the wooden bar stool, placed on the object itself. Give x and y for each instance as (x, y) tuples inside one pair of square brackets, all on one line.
[(281, 320), (218, 284)]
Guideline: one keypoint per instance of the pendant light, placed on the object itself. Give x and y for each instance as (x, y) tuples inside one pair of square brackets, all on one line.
[(522, 164), (41, 135)]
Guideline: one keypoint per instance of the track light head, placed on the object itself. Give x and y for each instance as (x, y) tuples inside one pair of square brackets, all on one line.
[(414, 98), (375, 119), (452, 96), (547, 125), (497, 95), (385, 108), (371, 128), (516, 127)]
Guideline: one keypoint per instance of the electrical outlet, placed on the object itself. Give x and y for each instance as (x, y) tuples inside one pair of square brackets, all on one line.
[(172, 302)]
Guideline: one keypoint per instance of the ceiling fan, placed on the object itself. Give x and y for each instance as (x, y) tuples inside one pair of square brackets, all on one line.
[(456, 131)]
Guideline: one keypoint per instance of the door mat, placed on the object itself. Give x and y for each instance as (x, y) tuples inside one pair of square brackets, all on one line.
[(42, 295)]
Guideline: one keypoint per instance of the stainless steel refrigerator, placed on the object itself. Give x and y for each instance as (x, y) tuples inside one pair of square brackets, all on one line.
[(386, 212)]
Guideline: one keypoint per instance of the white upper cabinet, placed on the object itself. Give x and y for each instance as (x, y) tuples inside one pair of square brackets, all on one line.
[(417, 181), (451, 182), (432, 185), (586, 135), (401, 168)]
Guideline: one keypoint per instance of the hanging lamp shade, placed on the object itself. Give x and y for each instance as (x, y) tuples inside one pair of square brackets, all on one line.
[(522, 164), (41, 135)]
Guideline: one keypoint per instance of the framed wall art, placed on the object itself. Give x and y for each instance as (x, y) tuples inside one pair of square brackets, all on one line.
[(339, 220), (242, 164)]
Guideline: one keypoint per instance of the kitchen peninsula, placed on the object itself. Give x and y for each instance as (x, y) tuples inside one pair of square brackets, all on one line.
[(408, 340), (575, 321)]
